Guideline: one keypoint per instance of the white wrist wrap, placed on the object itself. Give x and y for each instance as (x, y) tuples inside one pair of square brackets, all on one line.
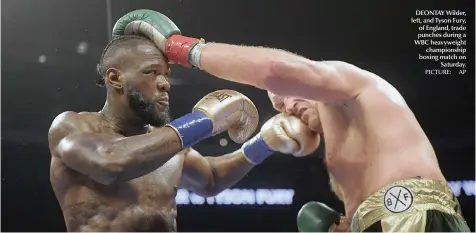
[(195, 54)]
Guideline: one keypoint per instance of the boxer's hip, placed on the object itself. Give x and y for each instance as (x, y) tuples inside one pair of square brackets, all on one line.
[(415, 205)]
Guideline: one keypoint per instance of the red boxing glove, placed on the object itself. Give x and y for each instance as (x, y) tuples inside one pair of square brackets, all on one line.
[(178, 48)]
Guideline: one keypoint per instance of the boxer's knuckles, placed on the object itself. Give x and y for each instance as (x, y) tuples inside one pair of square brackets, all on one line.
[(151, 24), (307, 139), (289, 135), (232, 111), (248, 122), (276, 137)]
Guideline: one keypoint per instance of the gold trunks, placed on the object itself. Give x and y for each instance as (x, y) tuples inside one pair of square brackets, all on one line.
[(403, 205)]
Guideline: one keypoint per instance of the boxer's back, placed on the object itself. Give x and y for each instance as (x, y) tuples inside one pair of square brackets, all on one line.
[(374, 140), (143, 204)]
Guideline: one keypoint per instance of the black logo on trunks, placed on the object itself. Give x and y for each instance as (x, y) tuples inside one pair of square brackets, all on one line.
[(398, 199)]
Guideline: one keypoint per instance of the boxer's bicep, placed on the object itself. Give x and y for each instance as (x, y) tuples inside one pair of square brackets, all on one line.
[(197, 173), (79, 149), (83, 151), (322, 81), (208, 176), (342, 80)]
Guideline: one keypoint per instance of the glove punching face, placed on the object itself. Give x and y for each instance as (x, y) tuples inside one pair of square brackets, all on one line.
[(306, 110), (288, 134)]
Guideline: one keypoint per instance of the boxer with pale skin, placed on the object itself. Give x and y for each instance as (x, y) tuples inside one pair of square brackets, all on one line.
[(380, 162), (372, 137)]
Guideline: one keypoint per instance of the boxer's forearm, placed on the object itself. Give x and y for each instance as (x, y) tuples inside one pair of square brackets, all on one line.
[(281, 72), (227, 170), (243, 64), (146, 153), (109, 162)]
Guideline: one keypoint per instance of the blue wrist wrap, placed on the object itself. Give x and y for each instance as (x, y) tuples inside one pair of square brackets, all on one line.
[(192, 128), (256, 149)]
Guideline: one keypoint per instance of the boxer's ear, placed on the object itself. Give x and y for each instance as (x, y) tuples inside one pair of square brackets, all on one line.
[(114, 78), (275, 101), (270, 95)]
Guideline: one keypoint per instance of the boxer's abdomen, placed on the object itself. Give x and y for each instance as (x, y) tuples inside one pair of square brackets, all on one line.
[(93, 216)]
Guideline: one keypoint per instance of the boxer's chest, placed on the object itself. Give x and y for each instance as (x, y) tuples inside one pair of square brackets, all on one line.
[(162, 184), (342, 136)]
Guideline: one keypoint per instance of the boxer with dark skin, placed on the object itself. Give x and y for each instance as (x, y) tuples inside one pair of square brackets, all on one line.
[(119, 169)]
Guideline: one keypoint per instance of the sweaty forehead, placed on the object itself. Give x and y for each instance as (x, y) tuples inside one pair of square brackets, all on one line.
[(141, 54), (148, 51)]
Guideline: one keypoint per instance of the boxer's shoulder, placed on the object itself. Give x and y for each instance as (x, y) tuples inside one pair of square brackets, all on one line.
[(74, 119), (382, 93), (71, 122)]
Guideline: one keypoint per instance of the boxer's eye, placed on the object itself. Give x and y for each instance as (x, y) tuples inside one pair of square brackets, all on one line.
[(150, 72)]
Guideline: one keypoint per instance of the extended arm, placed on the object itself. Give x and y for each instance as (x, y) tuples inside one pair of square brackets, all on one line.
[(278, 71), (208, 176), (284, 73), (108, 159)]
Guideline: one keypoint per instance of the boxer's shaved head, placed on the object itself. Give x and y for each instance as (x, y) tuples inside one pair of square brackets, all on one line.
[(113, 51)]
